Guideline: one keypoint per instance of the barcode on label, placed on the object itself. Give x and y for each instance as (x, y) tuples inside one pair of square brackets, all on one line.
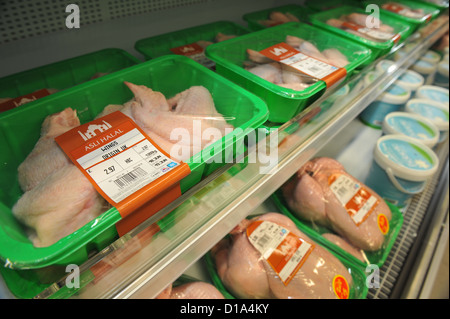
[(313, 69), (342, 191), (130, 177), (263, 240)]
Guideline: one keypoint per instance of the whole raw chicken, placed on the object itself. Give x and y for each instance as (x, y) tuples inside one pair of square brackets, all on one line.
[(309, 195), (247, 274)]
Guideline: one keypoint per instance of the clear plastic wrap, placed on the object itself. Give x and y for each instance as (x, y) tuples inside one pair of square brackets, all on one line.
[(269, 257), (413, 12), (289, 66), (341, 209), (42, 178)]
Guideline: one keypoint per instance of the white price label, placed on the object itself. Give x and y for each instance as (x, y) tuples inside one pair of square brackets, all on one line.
[(125, 165)]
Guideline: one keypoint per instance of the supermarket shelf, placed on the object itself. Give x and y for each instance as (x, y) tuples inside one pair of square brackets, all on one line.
[(207, 212)]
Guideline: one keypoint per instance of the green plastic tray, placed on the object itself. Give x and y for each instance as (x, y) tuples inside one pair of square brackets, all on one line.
[(253, 18), (20, 128), (378, 48), (159, 45), (358, 291), (65, 74), (283, 103), (415, 23), (315, 231)]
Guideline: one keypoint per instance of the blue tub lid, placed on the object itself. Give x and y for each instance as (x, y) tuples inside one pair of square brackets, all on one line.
[(431, 56), (424, 67), (412, 125), (397, 93), (411, 77), (434, 111), (405, 157), (383, 65), (434, 93)]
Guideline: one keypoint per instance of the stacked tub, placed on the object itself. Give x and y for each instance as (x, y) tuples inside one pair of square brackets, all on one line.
[(412, 126)]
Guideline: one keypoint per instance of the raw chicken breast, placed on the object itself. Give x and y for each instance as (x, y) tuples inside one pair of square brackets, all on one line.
[(196, 290), (59, 205), (313, 188), (247, 275), (46, 156)]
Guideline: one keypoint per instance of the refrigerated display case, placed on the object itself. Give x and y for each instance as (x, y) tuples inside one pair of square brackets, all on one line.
[(174, 241)]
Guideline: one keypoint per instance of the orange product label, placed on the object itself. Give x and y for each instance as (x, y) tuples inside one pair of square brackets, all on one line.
[(125, 166), (194, 52), (187, 49), (356, 199), (394, 7), (372, 32), (284, 251), (341, 287), (18, 101), (383, 223), (303, 63)]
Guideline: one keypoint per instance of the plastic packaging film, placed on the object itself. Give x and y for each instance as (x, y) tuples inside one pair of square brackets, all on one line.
[(269, 257), (288, 66), (340, 210), (379, 34), (275, 61)]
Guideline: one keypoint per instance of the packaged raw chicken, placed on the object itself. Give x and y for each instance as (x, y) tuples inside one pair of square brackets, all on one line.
[(414, 12), (45, 171), (379, 33), (334, 207), (269, 257), (94, 226), (275, 16), (33, 84), (287, 75), (288, 66), (190, 42), (8, 103)]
